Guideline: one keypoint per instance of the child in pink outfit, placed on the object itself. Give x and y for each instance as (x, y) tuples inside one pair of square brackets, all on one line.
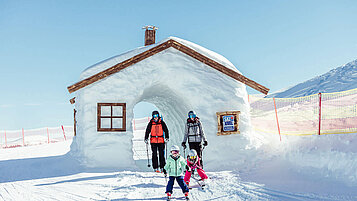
[(193, 161)]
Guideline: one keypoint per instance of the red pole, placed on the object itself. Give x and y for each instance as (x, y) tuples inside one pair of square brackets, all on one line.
[(64, 134), (48, 137), (23, 137), (277, 121), (320, 104), (5, 139)]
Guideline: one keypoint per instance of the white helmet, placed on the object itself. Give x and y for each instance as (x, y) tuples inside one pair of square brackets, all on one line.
[(192, 154), (175, 148)]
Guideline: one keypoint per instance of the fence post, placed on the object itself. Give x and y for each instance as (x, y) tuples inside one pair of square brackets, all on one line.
[(64, 134), (48, 136), (277, 121), (134, 125), (320, 105), (23, 137), (5, 140)]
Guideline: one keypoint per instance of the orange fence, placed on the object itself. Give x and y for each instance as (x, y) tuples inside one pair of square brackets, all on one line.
[(318, 114), (19, 138)]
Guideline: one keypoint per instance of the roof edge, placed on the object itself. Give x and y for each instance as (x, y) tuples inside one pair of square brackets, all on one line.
[(163, 46)]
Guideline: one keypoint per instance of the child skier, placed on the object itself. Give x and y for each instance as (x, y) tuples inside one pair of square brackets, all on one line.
[(193, 161), (175, 166)]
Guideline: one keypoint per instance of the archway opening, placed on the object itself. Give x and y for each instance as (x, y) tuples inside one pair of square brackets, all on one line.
[(172, 109)]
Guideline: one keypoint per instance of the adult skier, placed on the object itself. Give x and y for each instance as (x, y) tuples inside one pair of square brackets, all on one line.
[(195, 135), (175, 167), (159, 134)]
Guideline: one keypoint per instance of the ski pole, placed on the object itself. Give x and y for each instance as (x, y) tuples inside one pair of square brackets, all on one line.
[(147, 153), (165, 150)]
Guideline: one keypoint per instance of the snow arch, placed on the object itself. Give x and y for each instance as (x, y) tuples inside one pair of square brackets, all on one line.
[(172, 106)]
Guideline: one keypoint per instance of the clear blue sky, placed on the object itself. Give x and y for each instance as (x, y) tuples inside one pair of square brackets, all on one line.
[(45, 45)]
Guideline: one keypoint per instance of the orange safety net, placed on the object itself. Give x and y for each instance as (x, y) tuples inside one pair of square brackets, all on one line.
[(328, 113)]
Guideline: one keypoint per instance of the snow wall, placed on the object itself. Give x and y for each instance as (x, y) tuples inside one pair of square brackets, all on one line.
[(175, 83)]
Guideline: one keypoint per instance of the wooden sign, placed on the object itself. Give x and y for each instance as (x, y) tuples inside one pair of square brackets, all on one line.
[(228, 122)]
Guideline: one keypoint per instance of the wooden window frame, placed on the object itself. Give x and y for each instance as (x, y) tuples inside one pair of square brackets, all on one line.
[(220, 124), (111, 117)]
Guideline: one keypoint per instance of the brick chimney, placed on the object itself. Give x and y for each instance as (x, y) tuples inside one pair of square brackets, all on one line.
[(150, 34)]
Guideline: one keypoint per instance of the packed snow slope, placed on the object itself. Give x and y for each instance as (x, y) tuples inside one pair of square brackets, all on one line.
[(339, 79), (46, 172)]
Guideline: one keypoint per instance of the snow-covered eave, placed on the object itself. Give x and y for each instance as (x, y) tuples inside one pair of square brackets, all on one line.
[(197, 52)]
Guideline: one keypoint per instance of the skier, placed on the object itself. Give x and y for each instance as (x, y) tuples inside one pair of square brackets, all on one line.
[(193, 161), (194, 133), (159, 135), (175, 167)]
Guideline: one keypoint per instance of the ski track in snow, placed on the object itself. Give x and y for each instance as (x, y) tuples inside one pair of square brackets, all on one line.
[(129, 185), (50, 175)]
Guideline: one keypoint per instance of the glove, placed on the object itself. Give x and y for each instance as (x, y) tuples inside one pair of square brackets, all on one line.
[(166, 139), (165, 173), (146, 141), (188, 168), (205, 143), (184, 145)]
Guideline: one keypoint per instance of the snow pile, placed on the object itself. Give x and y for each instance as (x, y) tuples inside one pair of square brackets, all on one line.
[(175, 83), (339, 79)]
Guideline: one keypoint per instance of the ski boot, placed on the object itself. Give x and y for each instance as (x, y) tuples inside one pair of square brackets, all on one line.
[(186, 196), (188, 185), (168, 196), (157, 170)]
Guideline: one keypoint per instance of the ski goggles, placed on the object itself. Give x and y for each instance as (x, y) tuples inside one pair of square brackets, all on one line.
[(155, 115), (192, 157), (175, 152), (192, 116)]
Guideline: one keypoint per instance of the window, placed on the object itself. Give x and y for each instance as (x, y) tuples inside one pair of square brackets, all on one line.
[(111, 117)]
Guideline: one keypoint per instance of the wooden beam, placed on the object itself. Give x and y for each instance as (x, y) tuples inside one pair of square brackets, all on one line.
[(231, 73), (118, 67), (170, 43)]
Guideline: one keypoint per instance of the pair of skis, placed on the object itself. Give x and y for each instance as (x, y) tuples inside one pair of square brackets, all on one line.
[(169, 198), (199, 182)]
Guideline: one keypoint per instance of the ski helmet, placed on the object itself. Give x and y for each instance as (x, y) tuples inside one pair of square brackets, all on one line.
[(192, 154), (191, 114), (175, 148), (155, 113)]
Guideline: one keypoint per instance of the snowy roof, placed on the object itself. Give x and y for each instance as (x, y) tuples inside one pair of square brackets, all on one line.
[(103, 65), (117, 63)]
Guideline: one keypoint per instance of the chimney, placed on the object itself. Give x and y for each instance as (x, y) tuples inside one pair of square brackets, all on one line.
[(150, 34)]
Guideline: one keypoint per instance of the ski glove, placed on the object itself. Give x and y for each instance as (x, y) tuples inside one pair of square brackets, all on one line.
[(188, 168), (205, 143), (146, 141), (166, 139), (184, 145), (165, 173)]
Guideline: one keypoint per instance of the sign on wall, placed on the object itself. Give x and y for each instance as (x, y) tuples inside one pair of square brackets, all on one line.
[(228, 122)]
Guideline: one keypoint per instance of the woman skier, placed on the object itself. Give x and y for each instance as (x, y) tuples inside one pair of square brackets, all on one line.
[(195, 135), (159, 134), (175, 167), (193, 161)]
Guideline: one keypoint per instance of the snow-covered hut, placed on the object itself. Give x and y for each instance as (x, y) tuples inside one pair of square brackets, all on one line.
[(176, 76)]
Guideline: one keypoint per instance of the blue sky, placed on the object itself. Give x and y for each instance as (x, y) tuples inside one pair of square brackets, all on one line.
[(45, 45)]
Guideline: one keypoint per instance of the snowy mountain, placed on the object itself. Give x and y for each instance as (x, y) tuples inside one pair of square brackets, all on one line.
[(338, 79)]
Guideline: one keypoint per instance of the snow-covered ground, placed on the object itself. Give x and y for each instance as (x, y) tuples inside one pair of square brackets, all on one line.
[(48, 172)]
